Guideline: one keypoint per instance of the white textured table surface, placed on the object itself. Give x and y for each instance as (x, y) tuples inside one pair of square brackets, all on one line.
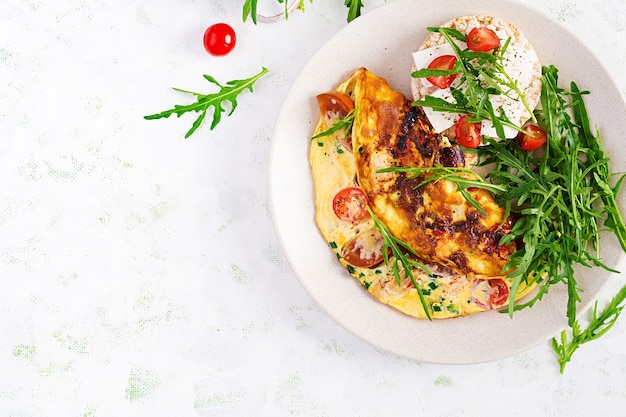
[(139, 272)]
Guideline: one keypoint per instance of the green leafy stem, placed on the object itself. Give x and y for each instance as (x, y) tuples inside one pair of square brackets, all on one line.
[(227, 94), (250, 8), (565, 200), (456, 175), (402, 262), (344, 125), (598, 325)]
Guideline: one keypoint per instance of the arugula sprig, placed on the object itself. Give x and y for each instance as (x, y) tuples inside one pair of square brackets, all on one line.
[(463, 178), (565, 198), (227, 93), (344, 124), (482, 75), (250, 8), (354, 9), (597, 326), (402, 262)]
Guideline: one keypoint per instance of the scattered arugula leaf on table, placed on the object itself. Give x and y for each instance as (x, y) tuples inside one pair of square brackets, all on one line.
[(227, 93), (354, 9), (250, 8)]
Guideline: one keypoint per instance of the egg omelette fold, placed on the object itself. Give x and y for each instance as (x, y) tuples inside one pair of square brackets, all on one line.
[(457, 243)]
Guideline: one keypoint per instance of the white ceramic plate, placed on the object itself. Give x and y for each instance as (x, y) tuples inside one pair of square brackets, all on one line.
[(382, 41)]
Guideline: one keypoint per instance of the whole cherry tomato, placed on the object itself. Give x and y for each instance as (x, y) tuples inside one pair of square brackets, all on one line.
[(219, 39), (532, 138), (482, 39), (443, 62), (468, 133)]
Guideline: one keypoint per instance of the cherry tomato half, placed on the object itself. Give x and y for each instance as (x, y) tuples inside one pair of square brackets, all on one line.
[(338, 104), (482, 39), (350, 204), (468, 133), (532, 138), (219, 39), (365, 249), (443, 62), (490, 294)]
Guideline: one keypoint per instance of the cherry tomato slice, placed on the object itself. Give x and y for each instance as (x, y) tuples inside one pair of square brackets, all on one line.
[(468, 133), (532, 138), (365, 249), (490, 294), (482, 39), (350, 204), (443, 62), (335, 104), (219, 39)]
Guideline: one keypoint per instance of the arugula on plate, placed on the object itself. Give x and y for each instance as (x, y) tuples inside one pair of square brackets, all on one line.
[(565, 198)]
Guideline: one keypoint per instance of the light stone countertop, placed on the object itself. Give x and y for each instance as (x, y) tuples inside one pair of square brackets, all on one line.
[(140, 275)]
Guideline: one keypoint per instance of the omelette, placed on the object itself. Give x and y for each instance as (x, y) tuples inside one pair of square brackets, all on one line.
[(458, 268), (426, 247)]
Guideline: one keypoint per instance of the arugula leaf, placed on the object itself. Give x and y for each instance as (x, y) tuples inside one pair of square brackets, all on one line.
[(250, 9), (228, 92), (354, 9), (598, 325), (402, 261), (557, 195), (344, 125), (564, 199), (454, 175)]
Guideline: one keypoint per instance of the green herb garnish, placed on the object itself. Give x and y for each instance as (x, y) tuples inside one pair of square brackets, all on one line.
[(564, 196), (250, 8), (564, 199), (598, 325), (344, 125), (402, 261), (227, 93), (454, 175), (354, 9)]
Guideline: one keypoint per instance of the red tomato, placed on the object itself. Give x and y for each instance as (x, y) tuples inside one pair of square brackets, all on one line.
[(219, 39), (350, 204), (468, 133), (532, 138), (365, 249), (482, 39), (338, 104), (443, 62), (490, 294)]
